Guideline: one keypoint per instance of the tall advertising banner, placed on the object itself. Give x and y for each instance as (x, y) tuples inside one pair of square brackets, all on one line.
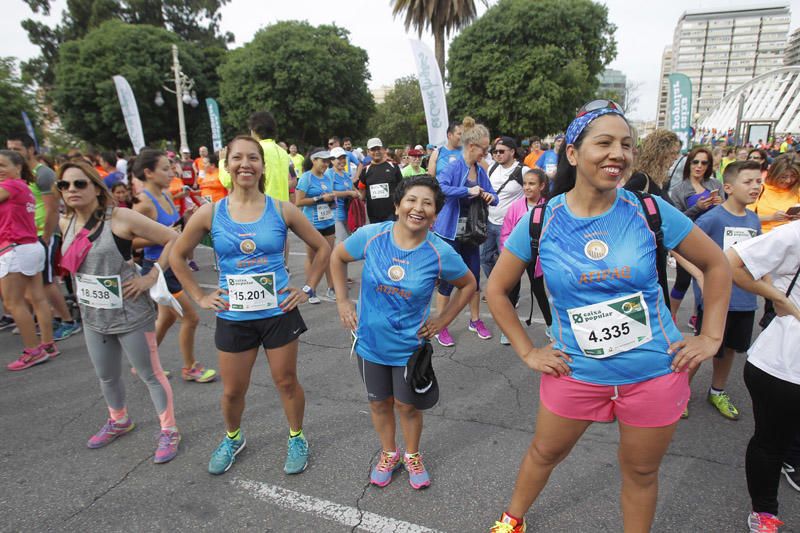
[(432, 88), (29, 127), (216, 126), (679, 110), (130, 111)]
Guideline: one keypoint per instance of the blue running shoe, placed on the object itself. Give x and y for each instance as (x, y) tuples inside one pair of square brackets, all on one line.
[(381, 475), (417, 475), (225, 455), (296, 455), (65, 329)]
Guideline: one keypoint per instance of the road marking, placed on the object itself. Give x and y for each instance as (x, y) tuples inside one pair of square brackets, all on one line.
[(343, 514)]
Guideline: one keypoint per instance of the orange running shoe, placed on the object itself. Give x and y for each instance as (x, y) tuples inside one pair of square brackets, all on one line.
[(506, 524)]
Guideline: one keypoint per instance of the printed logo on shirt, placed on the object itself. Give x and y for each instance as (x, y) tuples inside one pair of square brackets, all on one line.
[(596, 249), (247, 246), (396, 272)]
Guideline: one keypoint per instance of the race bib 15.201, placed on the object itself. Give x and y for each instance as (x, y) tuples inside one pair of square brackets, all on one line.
[(252, 292)]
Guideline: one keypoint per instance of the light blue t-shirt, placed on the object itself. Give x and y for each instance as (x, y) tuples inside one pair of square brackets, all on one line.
[(396, 289), (588, 261), (726, 229), (447, 156), (341, 182), (548, 161), (320, 214)]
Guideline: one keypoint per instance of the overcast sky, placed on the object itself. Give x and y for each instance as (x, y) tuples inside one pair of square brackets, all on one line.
[(643, 30)]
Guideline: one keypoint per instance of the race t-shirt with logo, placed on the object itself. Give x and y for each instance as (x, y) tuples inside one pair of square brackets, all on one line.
[(727, 229), (321, 213), (396, 289), (608, 307), (548, 162), (250, 262), (341, 182), (380, 180), (445, 157), (17, 223), (211, 189)]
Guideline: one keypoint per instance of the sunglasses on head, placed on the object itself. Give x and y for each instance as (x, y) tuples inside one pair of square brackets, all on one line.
[(79, 184), (594, 105), (699, 162)]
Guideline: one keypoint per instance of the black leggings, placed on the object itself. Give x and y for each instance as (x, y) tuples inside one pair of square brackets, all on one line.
[(538, 292), (776, 409), (682, 281)]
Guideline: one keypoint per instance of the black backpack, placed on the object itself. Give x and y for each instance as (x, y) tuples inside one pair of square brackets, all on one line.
[(651, 212), (516, 175)]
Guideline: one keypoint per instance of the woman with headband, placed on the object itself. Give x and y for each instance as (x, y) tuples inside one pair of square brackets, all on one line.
[(617, 354)]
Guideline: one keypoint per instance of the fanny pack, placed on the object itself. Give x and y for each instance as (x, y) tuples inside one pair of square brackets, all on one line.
[(419, 369), (79, 248)]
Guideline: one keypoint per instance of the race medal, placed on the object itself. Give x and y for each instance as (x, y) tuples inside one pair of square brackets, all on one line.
[(99, 292), (378, 191), (734, 235), (324, 212), (252, 292), (611, 327)]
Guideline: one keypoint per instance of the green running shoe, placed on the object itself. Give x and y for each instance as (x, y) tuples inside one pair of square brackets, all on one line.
[(296, 455), (225, 455), (724, 405)]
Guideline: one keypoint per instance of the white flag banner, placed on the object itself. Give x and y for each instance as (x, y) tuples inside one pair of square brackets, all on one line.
[(130, 111), (432, 88)]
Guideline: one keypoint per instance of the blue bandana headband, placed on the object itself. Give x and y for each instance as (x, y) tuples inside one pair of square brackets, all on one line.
[(580, 123)]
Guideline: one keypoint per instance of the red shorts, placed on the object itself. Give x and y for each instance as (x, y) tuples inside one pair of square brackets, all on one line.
[(657, 402)]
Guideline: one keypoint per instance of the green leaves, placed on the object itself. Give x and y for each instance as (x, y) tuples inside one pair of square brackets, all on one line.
[(14, 99), (400, 118)]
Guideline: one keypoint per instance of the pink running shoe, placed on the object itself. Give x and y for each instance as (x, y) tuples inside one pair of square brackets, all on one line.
[(51, 349), (418, 477), (763, 523), (167, 446), (445, 339), (28, 359), (480, 328), (382, 473), (110, 431)]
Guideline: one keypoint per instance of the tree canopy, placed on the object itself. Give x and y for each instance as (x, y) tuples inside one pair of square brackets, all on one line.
[(86, 99), (310, 78), (400, 118), (14, 99), (524, 69)]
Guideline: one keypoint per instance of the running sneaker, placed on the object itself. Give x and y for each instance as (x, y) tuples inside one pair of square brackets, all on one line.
[(110, 431), (66, 329), (50, 349), (296, 455), (167, 447), (693, 323), (225, 455), (193, 266), (445, 339), (28, 359), (330, 294), (763, 523), (312, 296), (792, 475), (506, 524), (418, 477), (724, 405), (504, 340), (480, 328), (6, 322), (381, 474), (199, 373)]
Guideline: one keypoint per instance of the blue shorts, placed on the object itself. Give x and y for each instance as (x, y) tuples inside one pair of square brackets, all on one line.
[(471, 255)]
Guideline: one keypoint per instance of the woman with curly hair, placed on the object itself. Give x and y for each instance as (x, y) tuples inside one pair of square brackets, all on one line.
[(659, 150)]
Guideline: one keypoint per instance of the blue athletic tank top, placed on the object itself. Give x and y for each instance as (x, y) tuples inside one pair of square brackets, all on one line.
[(445, 157), (253, 249), (162, 217)]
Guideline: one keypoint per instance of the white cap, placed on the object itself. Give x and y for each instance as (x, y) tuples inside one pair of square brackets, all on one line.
[(419, 147), (322, 154), (374, 143), (338, 152)]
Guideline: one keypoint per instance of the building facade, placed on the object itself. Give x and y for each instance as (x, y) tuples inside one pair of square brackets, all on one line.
[(663, 90), (792, 54), (614, 82), (721, 49)]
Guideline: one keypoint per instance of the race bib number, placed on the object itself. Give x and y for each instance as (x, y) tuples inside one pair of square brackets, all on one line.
[(550, 170), (378, 191), (252, 292), (734, 235), (611, 327), (324, 212), (100, 292), (461, 226)]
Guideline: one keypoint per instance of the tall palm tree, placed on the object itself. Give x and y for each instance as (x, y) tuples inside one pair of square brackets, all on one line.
[(440, 16)]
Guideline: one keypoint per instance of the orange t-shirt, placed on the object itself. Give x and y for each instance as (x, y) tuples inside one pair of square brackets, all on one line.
[(200, 163), (532, 158), (211, 189), (771, 200)]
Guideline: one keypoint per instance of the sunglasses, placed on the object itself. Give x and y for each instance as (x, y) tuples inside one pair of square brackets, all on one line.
[(496, 151), (63, 185), (331, 143), (699, 162), (594, 105), (754, 158)]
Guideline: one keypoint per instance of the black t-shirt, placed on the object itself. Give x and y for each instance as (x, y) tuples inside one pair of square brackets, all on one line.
[(380, 181)]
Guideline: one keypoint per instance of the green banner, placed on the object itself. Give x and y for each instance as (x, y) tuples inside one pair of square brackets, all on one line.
[(216, 124), (679, 111)]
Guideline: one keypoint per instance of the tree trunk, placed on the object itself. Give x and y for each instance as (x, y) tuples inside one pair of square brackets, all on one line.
[(438, 37)]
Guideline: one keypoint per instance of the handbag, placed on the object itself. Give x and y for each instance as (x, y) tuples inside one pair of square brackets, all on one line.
[(419, 369), (769, 311), (475, 230)]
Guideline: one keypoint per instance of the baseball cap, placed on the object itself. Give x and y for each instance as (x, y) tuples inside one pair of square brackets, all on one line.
[(338, 152), (322, 154), (374, 143), (415, 153), (506, 141), (418, 147), (430, 146)]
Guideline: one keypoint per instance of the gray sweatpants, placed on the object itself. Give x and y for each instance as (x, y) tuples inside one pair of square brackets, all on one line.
[(105, 351)]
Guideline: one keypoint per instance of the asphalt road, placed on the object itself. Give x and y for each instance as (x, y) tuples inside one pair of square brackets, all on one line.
[(473, 442)]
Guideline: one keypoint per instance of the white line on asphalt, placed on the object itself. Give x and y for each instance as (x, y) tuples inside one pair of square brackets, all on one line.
[(348, 516)]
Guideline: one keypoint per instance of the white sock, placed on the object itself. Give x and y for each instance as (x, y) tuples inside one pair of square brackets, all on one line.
[(715, 392)]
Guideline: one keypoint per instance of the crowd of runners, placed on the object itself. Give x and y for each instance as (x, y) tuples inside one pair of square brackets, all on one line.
[(104, 246)]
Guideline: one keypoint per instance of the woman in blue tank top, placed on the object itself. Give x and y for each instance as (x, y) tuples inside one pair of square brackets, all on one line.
[(156, 171), (617, 354), (254, 303), (448, 153)]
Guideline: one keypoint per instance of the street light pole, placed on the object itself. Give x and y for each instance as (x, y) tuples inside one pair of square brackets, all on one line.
[(179, 91)]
